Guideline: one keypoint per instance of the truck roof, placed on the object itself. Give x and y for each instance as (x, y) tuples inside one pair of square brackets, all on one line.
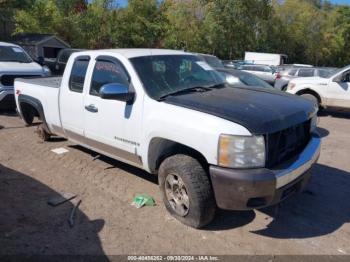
[(136, 52), (7, 44)]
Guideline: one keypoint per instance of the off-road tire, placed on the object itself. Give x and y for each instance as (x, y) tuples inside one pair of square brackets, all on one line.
[(202, 204), (28, 117)]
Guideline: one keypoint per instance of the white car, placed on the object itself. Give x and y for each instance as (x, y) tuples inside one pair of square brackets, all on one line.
[(264, 72), (15, 62), (284, 76), (332, 90), (169, 113)]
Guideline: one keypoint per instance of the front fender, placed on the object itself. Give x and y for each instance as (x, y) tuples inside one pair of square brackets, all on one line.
[(194, 129)]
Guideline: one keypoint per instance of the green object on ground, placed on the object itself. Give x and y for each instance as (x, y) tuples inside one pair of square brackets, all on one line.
[(143, 200)]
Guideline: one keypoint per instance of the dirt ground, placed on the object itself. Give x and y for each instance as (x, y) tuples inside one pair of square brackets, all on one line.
[(314, 222)]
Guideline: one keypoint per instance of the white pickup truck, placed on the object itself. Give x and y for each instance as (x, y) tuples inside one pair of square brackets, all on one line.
[(171, 114), (332, 90), (15, 62)]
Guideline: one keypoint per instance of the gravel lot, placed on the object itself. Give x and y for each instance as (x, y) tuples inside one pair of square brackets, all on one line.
[(314, 222)]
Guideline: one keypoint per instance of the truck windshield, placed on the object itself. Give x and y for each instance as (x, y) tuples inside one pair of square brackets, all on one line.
[(14, 54), (166, 74)]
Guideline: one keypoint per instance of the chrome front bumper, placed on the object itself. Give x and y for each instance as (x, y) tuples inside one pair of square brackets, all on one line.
[(291, 170), (242, 189)]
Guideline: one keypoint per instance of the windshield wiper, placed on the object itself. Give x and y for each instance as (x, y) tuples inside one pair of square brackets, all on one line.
[(217, 85), (186, 90)]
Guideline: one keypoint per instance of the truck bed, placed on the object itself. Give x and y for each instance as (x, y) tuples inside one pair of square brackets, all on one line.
[(54, 82), (43, 90)]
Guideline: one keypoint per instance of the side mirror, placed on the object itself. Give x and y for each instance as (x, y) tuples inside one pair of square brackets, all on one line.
[(40, 60), (116, 91)]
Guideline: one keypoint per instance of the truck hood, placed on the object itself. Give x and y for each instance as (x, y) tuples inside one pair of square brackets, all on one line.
[(20, 68), (261, 111)]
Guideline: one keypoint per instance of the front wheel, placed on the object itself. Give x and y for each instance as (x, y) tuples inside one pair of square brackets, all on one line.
[(186, 190)]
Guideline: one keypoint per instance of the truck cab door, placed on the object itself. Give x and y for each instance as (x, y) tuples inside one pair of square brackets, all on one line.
[(112, 127), (71, 99), (338, 92)]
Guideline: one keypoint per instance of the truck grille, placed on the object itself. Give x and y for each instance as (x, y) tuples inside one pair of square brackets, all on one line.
[(8, 80), (286, 144)]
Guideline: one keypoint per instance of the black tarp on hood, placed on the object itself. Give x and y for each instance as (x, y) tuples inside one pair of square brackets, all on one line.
[(259, 110)]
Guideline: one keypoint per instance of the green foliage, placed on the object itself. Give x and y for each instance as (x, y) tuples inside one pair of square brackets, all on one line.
[(308, 31), (43, 17), (138, 25)]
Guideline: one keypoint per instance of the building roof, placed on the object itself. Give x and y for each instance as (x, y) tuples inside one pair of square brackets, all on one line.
[(34, 38)]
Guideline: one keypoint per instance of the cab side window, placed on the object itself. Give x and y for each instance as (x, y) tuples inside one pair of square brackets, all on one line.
[(107, 72), (77, 76)]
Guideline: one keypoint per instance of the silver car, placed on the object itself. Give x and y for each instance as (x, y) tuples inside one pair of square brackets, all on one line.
[(283, 77), (264, 72)]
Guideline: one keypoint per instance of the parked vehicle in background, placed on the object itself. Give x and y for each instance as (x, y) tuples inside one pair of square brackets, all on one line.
[(61, 60), (239, 78), (233, 63), (154, 108), (283, 77), (265, 58), (266, 73), (234, 77), (290, 66), (328, 89), (15, 62)]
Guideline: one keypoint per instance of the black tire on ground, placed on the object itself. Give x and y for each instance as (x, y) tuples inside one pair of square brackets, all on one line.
[(28, 117), (200, 196)]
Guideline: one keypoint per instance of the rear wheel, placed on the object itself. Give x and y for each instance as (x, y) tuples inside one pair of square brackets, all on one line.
[(28, 117), (186, 190), (28, 113)]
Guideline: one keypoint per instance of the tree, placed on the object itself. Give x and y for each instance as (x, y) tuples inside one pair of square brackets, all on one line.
[(43, 17), (182, 29), (140, 24)]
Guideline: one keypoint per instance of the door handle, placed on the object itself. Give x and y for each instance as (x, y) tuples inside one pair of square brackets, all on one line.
[(91, 108)]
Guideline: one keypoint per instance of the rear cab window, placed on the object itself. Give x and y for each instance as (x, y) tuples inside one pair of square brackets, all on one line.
[(78, 73)]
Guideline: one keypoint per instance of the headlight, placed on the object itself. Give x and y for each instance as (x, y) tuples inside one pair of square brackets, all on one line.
[(241, 151), (290, 86)]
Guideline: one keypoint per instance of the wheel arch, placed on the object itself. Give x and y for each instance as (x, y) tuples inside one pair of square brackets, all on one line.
[(161, 148), (26, 103), (311, 92)]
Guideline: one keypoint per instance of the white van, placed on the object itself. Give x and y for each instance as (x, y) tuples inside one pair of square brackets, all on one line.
[(265, 58)]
